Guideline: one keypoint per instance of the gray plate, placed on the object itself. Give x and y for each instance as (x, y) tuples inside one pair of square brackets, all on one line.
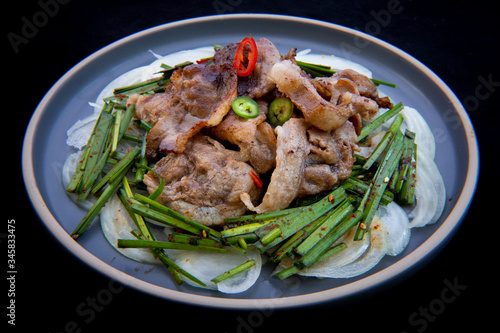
[(45, 150)]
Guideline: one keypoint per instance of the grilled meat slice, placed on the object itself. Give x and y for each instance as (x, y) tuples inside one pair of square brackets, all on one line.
[(204, 182), (292, 150), (254, 136), (331, 158), (150, 108), (308, 161), (354, 82), (343, 99), (256, 84), (201, 96)]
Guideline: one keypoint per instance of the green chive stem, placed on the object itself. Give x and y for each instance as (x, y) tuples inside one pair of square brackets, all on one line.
[(236, 270)]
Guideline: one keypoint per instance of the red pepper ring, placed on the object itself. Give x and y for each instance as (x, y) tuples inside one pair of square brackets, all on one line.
[(241, 70)]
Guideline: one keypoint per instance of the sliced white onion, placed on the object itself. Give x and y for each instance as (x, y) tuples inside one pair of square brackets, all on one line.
[(334, 62), (378, 240), (133, 76), (377, 250), (79, 133), (426, 196), (206, 266), (181, 56), (116, 224), (438, 182), (430, 192), (143, 73), (367, 149), (390, 235), (424, 138), (329, 266), (67, 173), (397, 225)]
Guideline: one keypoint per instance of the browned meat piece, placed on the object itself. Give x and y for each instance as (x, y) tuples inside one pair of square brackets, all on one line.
[(357, 123), (290, 55), (327, 115), (348, 88), (384, 102), (352, 81), (254, 137), (201, 96), (292, 150), (331, 158), (308, 161), (204, 183), (151, 108), (256, 84), (363, 84)]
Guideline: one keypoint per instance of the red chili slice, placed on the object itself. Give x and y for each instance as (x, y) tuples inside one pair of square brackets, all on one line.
[(204, 60), (256, 179), (239, 58)]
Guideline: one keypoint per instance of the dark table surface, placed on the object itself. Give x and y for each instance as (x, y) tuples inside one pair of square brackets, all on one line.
[(458, 40)]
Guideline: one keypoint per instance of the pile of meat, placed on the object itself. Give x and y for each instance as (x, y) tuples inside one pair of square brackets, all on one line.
[(211, 151)]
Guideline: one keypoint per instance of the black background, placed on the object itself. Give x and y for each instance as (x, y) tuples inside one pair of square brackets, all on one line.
[(458, 40)]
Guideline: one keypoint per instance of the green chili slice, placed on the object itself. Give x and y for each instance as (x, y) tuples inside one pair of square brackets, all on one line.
[(245, 107), (280, 110)]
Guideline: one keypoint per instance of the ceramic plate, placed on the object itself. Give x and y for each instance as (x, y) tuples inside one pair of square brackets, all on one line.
[(45, 151)]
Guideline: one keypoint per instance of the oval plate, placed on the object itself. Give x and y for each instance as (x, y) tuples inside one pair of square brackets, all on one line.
[(45, 150)]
